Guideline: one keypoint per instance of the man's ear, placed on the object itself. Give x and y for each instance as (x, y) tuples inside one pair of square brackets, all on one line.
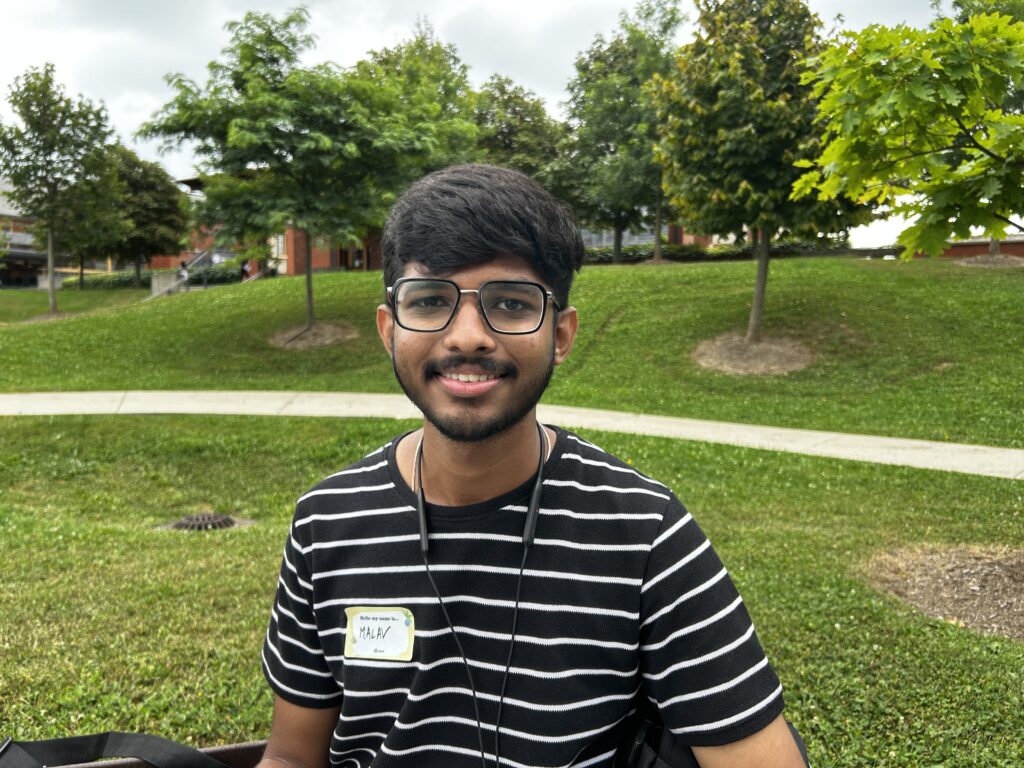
[(565, 333), (386, 326)]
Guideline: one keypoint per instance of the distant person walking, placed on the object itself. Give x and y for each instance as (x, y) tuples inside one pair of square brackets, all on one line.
[(243, 271), (183, 275)]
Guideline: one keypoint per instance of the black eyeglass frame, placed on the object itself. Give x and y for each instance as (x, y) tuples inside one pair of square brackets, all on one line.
[(548, 296)]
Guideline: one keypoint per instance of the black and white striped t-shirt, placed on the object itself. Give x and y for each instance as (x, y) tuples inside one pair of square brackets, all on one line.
[(622, 594)]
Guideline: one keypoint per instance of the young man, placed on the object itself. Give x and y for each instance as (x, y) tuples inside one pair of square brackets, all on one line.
[(485, 590)]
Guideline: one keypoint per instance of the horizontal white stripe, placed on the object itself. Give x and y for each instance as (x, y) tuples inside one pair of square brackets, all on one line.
[(524, 671), (509, 701), (460, 568), (474, 753), (682, 563), (679, 524), (584, 443), (550, 608), (686, 596), (342, 761), (291, 616), (705, 692), (345, 491), (594, 760), (529, 639), (303, 694), (288, 564), (360, 542), (359, 513), (730, 720), (598, 488), (358, 470), (695, 627), (365, 735), (295, 598), (297, 667), (548, 512), (702, 659), (292, 641), (613, 468), (584, 546), (510, 731), (372, 716)]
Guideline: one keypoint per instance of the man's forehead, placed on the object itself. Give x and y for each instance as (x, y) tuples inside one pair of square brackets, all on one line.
[(501, 267)]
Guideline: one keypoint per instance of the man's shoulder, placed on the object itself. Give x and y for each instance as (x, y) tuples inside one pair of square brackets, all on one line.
[(369, 473), (597, 465)]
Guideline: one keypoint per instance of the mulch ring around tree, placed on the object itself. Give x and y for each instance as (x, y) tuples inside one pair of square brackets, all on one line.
[(320, 335), (979, 588), (993, 261), (730, 353)]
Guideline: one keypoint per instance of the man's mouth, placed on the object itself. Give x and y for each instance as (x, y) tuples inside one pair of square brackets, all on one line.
[(470, 376)]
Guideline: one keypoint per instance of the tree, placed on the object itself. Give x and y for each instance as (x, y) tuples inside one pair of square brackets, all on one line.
[(734, 118), (48, 154), (615, 181), (155, 208), (92, 220), (319, 149), (514, 129), (922, 121)]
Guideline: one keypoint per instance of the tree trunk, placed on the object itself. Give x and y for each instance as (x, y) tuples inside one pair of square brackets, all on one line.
[(51, 277), (762, 250), (138, 271), (657, 227), (310, 318), (81, 274), (617, 247), (994, 247)]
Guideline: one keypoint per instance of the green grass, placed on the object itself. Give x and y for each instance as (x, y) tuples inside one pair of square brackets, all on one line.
[(25, 304), (926, 349), (108, 623)]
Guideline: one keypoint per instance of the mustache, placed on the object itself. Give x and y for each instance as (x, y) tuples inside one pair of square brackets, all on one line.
[(486, 364)]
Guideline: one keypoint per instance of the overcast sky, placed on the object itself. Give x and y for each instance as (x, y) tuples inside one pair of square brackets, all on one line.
[(118, 51)]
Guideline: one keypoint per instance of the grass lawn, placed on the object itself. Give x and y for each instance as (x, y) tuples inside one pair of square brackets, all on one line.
[(24, 304), (926, 349), (110, 624)]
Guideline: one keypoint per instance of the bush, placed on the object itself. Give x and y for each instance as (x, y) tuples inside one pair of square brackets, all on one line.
[(632, 254), (216, 274)]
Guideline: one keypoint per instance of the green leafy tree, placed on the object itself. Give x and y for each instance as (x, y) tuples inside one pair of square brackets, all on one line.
[(155, 208), (734, 118), (92, 220), (919, 120), (514, 129), (319, 149), (49, 155), (613, 179)]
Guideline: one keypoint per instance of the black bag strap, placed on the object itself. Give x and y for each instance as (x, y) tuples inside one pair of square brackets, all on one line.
[(157, 751)]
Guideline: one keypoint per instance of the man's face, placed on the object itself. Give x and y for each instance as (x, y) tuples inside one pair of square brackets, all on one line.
[(433, 368)]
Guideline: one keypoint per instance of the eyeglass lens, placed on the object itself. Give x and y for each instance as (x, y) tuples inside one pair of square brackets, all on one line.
[(509, 307)]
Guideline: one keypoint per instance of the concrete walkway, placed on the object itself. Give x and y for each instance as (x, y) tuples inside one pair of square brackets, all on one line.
[(922, 454)]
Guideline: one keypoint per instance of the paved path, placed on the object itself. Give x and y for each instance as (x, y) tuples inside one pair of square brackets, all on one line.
[(923, 454)]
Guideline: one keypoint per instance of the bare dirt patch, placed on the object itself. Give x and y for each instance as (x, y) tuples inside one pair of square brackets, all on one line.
[(981, 588), (990, 261), (320, 335), (730, 353), (48, 316)]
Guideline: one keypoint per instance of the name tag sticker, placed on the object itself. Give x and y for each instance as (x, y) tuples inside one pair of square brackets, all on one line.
[(379, 633)]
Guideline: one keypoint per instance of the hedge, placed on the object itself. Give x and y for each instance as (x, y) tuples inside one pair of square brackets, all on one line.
[(633, 254), (107, 281)]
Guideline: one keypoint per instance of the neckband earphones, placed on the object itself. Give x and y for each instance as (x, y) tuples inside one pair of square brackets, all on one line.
[(529, 529)]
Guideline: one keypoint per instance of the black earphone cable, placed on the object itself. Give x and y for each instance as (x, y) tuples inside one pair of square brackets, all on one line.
[(532, 513)]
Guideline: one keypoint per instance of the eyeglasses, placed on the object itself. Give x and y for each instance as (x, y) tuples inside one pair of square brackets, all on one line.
[(507, 306)]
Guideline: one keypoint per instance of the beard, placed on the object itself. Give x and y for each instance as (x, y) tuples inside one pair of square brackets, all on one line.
[(468, 424)]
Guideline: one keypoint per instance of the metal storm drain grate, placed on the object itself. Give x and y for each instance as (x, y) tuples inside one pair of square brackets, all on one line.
[(204, 521)]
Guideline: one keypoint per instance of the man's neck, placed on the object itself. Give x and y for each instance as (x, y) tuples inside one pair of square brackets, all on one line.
[(461, 473)]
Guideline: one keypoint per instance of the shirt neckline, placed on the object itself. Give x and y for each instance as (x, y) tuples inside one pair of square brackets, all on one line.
[(483, 508)]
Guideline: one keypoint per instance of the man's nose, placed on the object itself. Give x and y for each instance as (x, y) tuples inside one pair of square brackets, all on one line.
[(468, 330)]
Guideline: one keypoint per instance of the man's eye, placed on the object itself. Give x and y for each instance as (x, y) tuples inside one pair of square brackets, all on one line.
[(427, 303), (510, 305)]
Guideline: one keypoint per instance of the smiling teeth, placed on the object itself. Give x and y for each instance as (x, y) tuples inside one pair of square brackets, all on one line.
[(468, 377)]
